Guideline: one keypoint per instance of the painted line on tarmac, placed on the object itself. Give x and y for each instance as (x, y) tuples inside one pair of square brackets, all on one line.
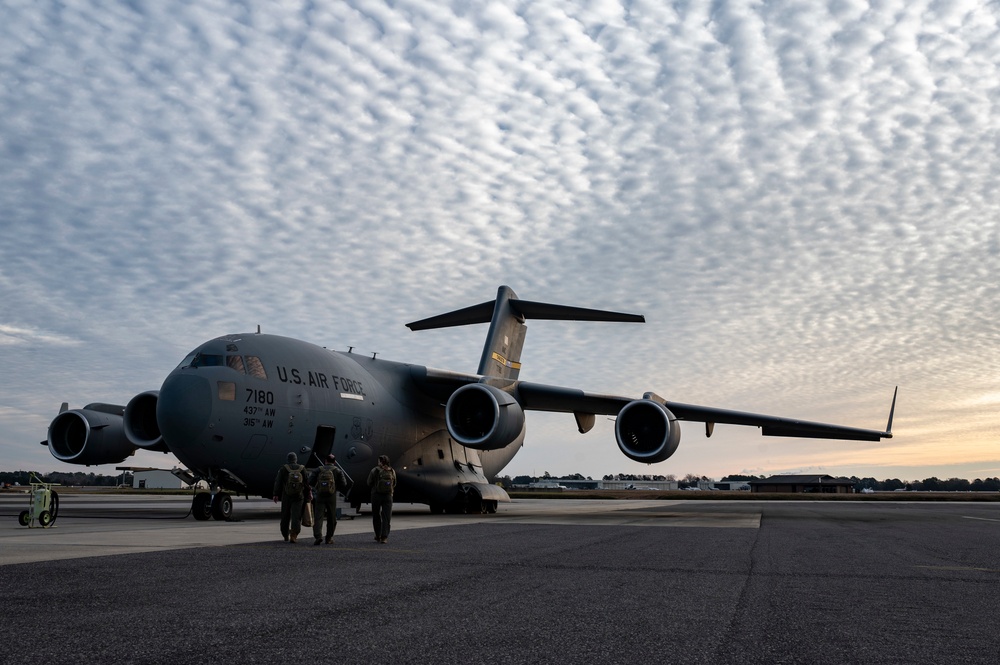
[(643, 519), (961, 569)]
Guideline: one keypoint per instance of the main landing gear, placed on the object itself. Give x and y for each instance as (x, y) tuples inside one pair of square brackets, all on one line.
[(468, 502)]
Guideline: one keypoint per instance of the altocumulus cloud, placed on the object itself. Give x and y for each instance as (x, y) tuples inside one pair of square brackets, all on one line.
[(801, 197)]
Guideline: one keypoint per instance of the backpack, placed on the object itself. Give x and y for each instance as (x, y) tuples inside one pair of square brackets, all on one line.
[(295, 483), (326, 481), (383, 485)]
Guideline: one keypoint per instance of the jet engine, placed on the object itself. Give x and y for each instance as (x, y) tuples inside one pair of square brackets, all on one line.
[(141, 427), (647, 431), (91, 435), (483, 417)]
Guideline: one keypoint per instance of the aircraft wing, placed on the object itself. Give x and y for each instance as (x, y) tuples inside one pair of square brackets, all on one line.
[(531, 396), (440, 383), (774, 425), (541, 397), (538, 397)]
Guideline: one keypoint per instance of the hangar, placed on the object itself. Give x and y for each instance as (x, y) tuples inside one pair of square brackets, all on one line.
[(804, 484), (148, 478)]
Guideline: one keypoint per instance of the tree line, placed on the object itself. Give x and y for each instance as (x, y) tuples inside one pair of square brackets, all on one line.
[(65, 478), (932, 484)]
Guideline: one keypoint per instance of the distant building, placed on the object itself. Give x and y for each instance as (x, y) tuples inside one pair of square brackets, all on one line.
[(150, 479), (559, 484), (157, 479), (633, 484), (661, 485), (725, 485), (546, 485), (736, 485), (824, 484)]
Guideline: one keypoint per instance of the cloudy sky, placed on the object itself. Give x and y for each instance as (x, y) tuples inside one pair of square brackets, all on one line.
[(801, 196)]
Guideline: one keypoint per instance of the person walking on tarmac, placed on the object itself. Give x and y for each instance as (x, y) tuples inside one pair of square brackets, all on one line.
[(290, 486), (382, 481), (326, 481)]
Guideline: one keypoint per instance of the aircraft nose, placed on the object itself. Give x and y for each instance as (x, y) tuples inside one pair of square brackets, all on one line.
[(184, 408)]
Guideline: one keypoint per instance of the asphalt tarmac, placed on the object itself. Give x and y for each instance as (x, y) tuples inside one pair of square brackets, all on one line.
[(127, 580)]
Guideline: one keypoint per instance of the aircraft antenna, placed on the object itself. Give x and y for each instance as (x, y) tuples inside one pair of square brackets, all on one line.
[(258, 328)]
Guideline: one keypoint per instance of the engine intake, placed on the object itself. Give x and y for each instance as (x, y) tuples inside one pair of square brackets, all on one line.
[(91, 435), (647, 431), (483, 417), (141, 427)]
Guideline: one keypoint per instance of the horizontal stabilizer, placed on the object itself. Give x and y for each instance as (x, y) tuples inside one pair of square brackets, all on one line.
[(506, 315), (550, 312), (481, 313), (526, 309)]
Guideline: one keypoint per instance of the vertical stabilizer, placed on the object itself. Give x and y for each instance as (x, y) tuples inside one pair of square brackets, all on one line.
[(502, 351), (506, 316)]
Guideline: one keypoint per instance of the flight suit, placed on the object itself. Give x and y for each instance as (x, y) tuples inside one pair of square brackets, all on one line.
[(325, 505), (291, 506), (381, 505)]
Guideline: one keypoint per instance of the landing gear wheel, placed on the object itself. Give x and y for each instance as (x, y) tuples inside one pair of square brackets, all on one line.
[(24, 519), (54, 505), (45, 518), (490, 507), (222, 506), (474, 504), (201, 507)]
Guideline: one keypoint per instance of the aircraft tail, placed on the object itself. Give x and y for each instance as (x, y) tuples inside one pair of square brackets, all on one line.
[(506, 316)]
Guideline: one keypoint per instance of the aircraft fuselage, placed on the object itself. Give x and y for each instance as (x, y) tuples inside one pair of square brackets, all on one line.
[(239, 404)]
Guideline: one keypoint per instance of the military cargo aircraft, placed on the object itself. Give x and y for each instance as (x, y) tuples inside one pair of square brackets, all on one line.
[(237, 405)]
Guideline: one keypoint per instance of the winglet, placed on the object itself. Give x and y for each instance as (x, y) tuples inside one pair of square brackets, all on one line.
[(892, 410)]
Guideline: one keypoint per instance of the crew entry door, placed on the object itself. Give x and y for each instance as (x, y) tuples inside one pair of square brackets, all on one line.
[(322, 446)]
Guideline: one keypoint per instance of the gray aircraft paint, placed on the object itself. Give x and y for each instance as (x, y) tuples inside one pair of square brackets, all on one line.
[(238, 404)]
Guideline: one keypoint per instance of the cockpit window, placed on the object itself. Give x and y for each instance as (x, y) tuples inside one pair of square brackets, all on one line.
[(255, 367), (236, 362), (208, 360), (251, 365)]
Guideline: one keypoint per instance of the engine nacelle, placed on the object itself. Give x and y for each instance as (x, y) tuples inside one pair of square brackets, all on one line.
[(141, 427), (647, 431), (483, 417), (91, 435)]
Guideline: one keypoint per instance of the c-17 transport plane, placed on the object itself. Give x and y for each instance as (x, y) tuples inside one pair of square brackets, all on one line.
[(238, 404)]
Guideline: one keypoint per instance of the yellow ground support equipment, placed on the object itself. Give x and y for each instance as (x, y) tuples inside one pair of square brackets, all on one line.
[(44, 505)]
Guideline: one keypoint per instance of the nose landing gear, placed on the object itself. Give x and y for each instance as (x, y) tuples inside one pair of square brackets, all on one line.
[(218, 503), (207, 505)]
